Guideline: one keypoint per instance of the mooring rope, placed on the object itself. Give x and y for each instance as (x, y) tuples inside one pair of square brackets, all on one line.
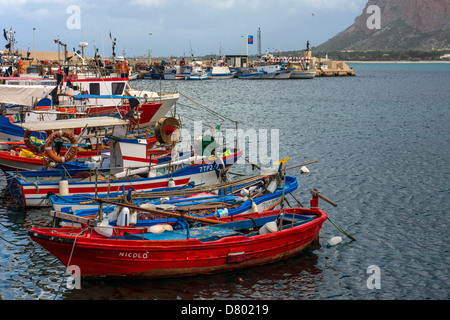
[(68, 263)]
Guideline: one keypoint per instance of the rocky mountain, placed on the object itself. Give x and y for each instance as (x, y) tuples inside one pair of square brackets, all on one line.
[(402, 25)]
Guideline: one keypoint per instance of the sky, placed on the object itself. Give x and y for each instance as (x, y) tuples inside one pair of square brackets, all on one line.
[(176, 26)]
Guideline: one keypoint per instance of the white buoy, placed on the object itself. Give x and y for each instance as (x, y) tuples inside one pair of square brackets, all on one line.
[(63, 187), (304, 170), (222, 212), (254, 207), (334, 241)]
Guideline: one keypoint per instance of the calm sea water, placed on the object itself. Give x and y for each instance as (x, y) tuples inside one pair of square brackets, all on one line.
[(382, 141)]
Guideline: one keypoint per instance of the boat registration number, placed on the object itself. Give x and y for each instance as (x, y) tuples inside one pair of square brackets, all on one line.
[(208, 167)]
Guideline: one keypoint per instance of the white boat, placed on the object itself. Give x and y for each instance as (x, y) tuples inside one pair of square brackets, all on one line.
[(285, 72), (198, 73), (106, 92), (269, 71), (299, 74), (100, 96), (175, 72), (221, 71), (278, 71)]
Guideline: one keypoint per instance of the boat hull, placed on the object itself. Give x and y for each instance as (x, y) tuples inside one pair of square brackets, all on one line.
[(283, 75), (32, 188), (250, 76), (172, 76), (198, 77), (166, 98), (134, 76), (110, 257), (221, 76), (303, 74), (266, 76)]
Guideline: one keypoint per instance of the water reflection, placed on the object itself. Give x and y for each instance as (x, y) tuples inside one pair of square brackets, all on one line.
[(295, 278)]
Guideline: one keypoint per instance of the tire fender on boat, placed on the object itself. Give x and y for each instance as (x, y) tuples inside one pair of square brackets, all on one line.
[(71, 152)]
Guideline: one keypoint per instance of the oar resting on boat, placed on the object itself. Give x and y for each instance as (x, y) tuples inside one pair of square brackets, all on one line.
[(165, 213)]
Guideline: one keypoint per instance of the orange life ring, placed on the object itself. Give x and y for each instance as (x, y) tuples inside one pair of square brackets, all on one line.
[(70, 153), (29, 145)]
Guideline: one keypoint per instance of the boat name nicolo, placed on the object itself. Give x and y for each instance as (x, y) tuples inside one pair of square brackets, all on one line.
[(133, 255)]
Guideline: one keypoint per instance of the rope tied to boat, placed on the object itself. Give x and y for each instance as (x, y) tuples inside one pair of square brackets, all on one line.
[(70, 259)]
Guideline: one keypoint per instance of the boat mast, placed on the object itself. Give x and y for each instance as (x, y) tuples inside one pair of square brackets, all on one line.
[(10, 37)]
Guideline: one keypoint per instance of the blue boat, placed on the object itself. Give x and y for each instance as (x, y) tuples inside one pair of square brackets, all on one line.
[(31, 188), (202, 205), (251, 74)]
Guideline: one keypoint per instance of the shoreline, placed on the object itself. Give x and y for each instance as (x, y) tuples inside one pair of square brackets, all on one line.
[(399, 61)]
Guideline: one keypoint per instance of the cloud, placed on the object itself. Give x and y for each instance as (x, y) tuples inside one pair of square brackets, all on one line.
[(15, 3), (148, 3), (207, 24), (222, 4), (354, 6), (27, 8)]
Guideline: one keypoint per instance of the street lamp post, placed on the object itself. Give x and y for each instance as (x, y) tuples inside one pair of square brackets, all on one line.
[(150, 49), (34, 42), (247, 46)]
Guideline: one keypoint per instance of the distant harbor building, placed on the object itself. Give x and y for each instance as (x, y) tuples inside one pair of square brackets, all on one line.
[(237, 61)]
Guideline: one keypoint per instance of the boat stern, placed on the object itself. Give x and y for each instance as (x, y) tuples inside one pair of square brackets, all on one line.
[(15, 187)]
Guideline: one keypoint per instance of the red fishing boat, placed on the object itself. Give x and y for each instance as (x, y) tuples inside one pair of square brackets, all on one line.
[(20, 158), (169, 250)]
